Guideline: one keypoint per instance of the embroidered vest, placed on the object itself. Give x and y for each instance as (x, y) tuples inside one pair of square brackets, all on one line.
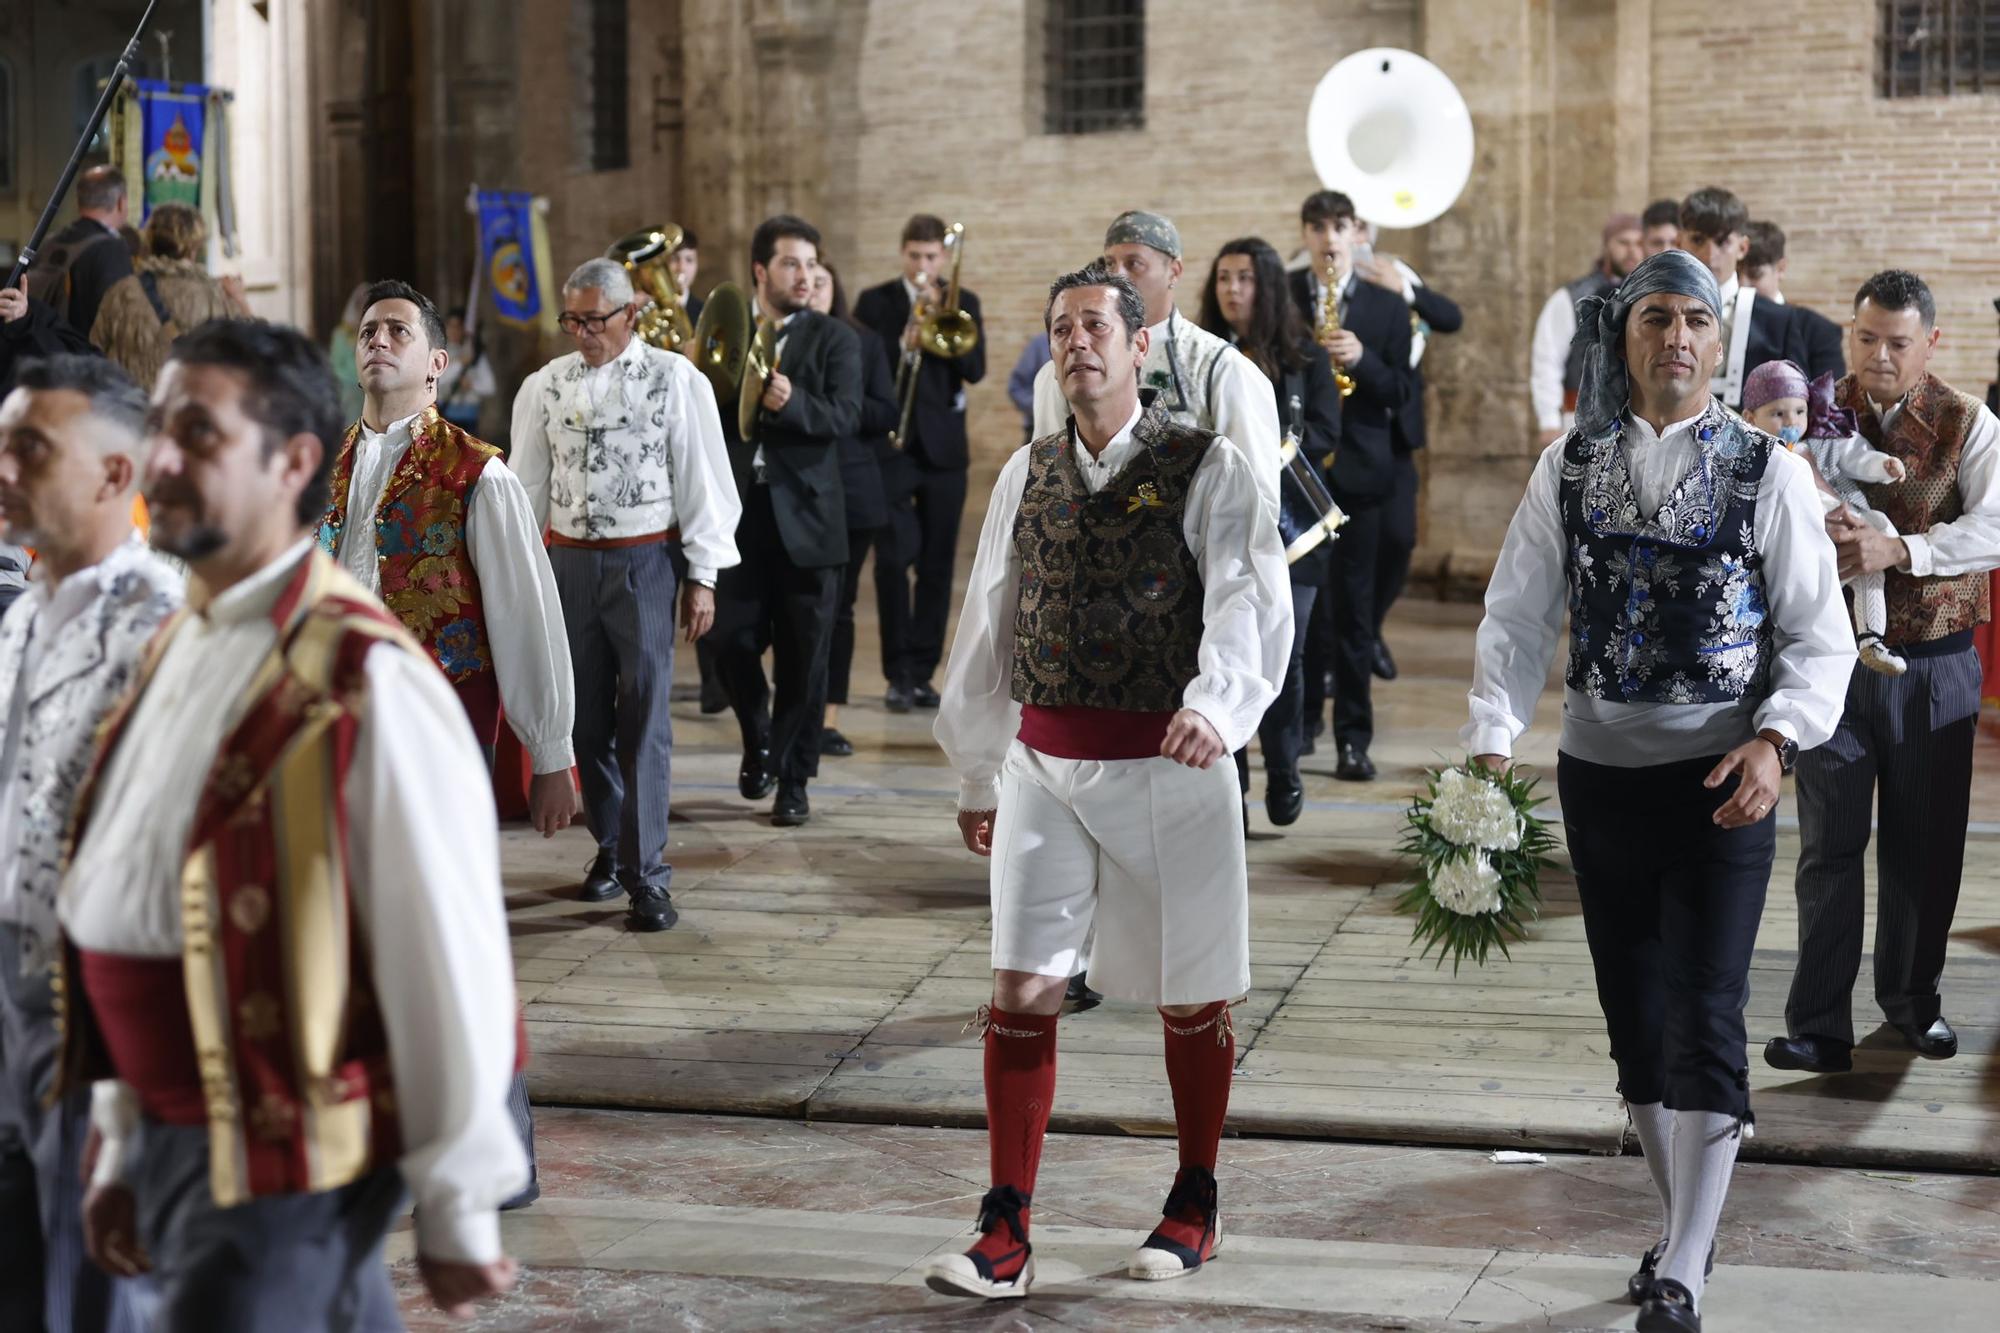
[(1929, 437), (1110, 611), (293, 1058), (1593, 283), (1180, 369), (1669, 609), (424, 568)]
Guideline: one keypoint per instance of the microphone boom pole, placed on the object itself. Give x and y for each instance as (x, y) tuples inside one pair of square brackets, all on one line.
[(111, 87)]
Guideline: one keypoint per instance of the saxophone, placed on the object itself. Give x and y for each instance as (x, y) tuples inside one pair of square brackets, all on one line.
[(1329, 323)]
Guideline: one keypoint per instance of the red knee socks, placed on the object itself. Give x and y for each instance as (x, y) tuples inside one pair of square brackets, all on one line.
[(1020, 1086), (1201, 1057)]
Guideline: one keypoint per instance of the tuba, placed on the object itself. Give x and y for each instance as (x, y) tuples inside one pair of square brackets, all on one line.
[(1307, 514), (644, 254), (943, 330)]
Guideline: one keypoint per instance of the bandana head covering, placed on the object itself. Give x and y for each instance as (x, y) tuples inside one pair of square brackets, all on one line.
[(1825, 419), (1771, 381), (1138, 228), (1618, 222), (1600, 328)]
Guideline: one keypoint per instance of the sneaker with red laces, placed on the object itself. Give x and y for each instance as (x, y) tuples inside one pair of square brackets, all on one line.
[(1190, 1230), (1001, 1265)]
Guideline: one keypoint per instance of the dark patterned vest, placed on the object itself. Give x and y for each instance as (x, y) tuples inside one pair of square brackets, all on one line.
[(1111, 597), (1929, 436), (1669, 609)]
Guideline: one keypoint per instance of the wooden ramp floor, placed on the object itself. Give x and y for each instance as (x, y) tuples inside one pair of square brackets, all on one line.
[(827, 972)]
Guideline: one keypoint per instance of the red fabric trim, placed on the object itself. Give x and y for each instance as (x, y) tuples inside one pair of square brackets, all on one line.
[(140, 1005), (480, 695), (1075, 732), (614, 543)]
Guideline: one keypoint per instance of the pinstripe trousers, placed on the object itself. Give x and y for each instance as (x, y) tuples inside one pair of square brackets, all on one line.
[(1907, 742), (46, 1281)]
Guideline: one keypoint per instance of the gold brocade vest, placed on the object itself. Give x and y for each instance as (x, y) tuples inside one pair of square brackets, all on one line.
[(293, 1058)]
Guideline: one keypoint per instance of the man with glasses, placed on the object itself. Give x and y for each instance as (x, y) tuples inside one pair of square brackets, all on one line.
[(620, 448)]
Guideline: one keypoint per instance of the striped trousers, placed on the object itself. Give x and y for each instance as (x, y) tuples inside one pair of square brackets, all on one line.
[(1905, 742)]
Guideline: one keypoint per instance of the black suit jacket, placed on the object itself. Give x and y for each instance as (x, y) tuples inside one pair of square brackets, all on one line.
[(822, 359), (937, 426), (1443, 315), (693, 307), (94, 271), (866, 453), (1364, 470), (1793, 333)]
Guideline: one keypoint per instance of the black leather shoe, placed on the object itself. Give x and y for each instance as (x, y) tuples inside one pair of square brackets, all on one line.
[(1354, 766), (753, 780), (897, 699), (1383, 665), (1080, 996), (1814, 1055), (600, 882), (1639, 1287), (651, 909), (713, 700), (1284, 798), (831, 742), (1670, 1309), (791, 808), (1936, 1042), (923, 696)]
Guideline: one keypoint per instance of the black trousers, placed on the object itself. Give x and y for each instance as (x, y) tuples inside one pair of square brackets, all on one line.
[(1351, 624), (1398, 540), (1281, 734), (1670, 907), (769, 602), (921, 538), (840, 657)]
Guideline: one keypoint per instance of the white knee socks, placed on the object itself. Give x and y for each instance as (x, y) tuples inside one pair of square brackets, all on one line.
[(1704, 1153), (1654, 1124)]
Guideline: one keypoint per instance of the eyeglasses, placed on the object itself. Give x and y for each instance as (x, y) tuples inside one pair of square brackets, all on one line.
[(572, 323)]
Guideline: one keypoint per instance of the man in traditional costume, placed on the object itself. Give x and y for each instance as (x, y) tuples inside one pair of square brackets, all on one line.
[(1903, 741), (72, 449), (285, 964), (1555, 357), (430, 519), (1128, 620), (620, 450), (1707, 646)]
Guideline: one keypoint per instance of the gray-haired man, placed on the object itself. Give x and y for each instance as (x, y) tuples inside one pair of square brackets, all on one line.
[(620, 449)]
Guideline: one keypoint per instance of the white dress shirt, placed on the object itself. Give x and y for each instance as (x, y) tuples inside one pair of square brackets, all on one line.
[(1548, 360), (1812, 639), (1969, 543), (625, 449), (1246, 638), (1241, 406), (423, 867), (517, 589)]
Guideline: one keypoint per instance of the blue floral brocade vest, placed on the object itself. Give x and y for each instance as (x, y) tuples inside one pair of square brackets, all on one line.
[(1671, 609)]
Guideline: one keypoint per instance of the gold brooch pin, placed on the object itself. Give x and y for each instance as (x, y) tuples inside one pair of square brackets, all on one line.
[(1146, 498)]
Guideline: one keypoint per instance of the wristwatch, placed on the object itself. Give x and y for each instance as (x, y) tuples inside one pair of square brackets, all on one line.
[(1787, 748)]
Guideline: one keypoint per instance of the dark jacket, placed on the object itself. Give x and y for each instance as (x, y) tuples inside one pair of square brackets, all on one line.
[(1793, 333), (867, 452), (822, 359), (937, 421), (40, 332), (1443, 316), (95, 270), (1364, 469)]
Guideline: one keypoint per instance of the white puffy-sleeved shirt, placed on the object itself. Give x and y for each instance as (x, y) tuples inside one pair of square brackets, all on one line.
[(1246, 638), (517, 588), (1812, 637), (423, 859), (627, 449)]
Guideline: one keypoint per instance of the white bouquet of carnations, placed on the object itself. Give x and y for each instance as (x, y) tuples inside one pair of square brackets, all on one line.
[(1479, 851)]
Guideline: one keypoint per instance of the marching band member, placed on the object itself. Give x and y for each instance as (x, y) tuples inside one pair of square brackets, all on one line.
[(1707, 647), (1085, 717)]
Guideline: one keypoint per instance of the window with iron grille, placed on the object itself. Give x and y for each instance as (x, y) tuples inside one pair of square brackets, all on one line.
[(1933, 48), (1095, 66), (608, 98)]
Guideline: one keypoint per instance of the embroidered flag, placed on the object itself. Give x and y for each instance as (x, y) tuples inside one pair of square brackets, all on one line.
[(172, 136), (514, 254)]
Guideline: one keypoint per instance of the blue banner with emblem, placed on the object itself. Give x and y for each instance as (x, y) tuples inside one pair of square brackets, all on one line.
[(173, 134), (514, 256)]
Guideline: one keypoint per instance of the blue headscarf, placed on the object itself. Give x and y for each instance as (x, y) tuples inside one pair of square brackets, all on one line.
[(1606, 389)]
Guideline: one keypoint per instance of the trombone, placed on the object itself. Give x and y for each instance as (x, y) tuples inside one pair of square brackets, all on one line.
[(943, 330)]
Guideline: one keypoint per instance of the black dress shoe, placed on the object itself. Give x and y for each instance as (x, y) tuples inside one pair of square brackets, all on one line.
[(923, 696), (600, 882), (1383, 665), (713, 701), (1284, 798), (897, 699), (1670, 1309), (1936, 1041), (791, 808), (1639, 1287), (1354, 765), (1814, 1055), (1080, 996), (831, 742), (753, 780), (651, 909)]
